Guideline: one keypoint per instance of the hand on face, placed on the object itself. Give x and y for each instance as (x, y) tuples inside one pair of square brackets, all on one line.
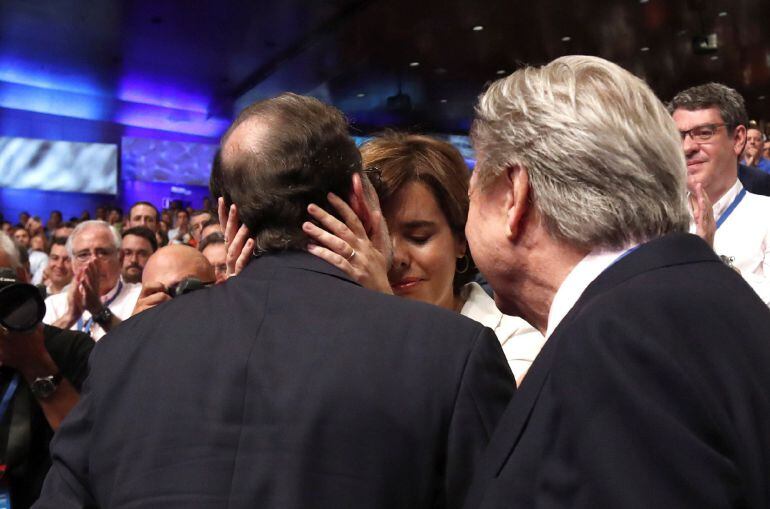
[(347, 245), (152, 295), (88, 287), (237, 242)]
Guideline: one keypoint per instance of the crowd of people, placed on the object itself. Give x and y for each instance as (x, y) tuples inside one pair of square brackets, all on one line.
[(581, 321)]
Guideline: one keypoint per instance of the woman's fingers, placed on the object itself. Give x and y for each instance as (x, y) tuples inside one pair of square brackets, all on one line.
[(327, 240), (236, 248), (331, 224), (332, 258), (347, 214)]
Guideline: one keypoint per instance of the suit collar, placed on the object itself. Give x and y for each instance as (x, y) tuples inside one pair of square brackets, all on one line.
[(674, 249), (266, 264)]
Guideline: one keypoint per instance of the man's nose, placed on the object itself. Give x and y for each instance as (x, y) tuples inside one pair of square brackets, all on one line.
[(689, 146)]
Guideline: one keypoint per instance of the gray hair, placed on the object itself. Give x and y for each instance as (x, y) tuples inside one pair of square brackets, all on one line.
[(603, 155), (730, 103), (8, 246), (87, 225)]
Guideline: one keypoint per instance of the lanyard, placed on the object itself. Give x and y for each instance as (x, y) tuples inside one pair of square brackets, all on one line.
[(8, 394), (731, 208), (87, 326)]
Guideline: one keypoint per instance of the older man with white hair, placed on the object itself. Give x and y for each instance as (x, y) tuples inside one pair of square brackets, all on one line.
[(97, 299), (651, 389)]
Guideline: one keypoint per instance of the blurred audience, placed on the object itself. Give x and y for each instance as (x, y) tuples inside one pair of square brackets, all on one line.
[(752, 154), (139, 243), (58, 274), (213, 248), (143, 213), (181, 233), (97, 299)]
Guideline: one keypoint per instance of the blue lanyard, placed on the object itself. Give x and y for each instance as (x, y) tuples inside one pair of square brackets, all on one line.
[(87, 326), (8, 394), (731, 208)]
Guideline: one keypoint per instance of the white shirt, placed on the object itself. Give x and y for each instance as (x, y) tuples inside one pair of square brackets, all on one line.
[(521, 342), (745, 237), (122, 306), (577, 281), (38, 261)]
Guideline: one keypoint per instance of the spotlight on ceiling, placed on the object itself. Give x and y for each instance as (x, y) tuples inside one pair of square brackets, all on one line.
[(644, 49), (566, 38), (500, 72), (414, 64), (478, 28)]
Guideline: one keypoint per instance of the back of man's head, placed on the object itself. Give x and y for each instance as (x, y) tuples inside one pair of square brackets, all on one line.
[(728, 101), (280, 155), (603, 156)]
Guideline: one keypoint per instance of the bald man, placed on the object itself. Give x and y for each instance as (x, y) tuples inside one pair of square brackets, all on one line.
[(167, 267)]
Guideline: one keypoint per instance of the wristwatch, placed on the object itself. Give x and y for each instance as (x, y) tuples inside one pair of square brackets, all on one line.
[(44, 386), (103, 317)]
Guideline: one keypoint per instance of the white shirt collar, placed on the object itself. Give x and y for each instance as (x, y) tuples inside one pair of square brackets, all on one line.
[(480, 307), (113, 293), (721, 204), (577, 281)]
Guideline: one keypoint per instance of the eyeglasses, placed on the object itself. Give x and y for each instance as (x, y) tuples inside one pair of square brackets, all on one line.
[(701, 133), (99, 253)]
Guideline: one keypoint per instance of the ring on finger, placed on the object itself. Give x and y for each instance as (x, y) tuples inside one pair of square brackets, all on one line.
[(351, 255)]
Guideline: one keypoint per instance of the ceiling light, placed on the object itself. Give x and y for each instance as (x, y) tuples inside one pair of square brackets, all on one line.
[(443, 101), (715, 57), (643, 1), (761, 98), (644, 48), (501, 71), (360, 95), (566, 38), (478, 28), (414, 64), (723, 14)]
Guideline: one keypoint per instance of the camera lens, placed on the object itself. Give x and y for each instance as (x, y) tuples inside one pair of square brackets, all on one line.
[(21, 307)]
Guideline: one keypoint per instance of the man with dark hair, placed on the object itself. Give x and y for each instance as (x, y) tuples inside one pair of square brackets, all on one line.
[(213, 248), (209, 227), (139, 243), (289, 386), (58, 273), (198, 219), (712, 121), (143, 213), (180, 234)]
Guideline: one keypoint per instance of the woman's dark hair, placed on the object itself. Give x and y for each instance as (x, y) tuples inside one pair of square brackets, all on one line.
[(401, 158)]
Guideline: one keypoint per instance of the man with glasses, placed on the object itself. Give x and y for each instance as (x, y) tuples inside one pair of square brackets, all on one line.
[(712, 121), (97, 299)]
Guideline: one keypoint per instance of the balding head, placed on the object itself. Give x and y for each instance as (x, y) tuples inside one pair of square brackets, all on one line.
[(280, 155), (171, 264)]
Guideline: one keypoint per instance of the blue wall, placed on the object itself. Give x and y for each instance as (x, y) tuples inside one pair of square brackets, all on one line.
[(29, 124)]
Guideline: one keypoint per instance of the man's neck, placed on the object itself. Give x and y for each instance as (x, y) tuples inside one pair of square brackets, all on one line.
[(105, 292), (718, 189), (546, 269)]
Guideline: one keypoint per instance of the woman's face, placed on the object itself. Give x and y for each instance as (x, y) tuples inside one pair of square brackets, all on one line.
[(425, 250)]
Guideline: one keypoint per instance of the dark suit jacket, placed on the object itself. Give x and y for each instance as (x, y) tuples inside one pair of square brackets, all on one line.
[(754, 180), (287, 387), (653, 392)]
